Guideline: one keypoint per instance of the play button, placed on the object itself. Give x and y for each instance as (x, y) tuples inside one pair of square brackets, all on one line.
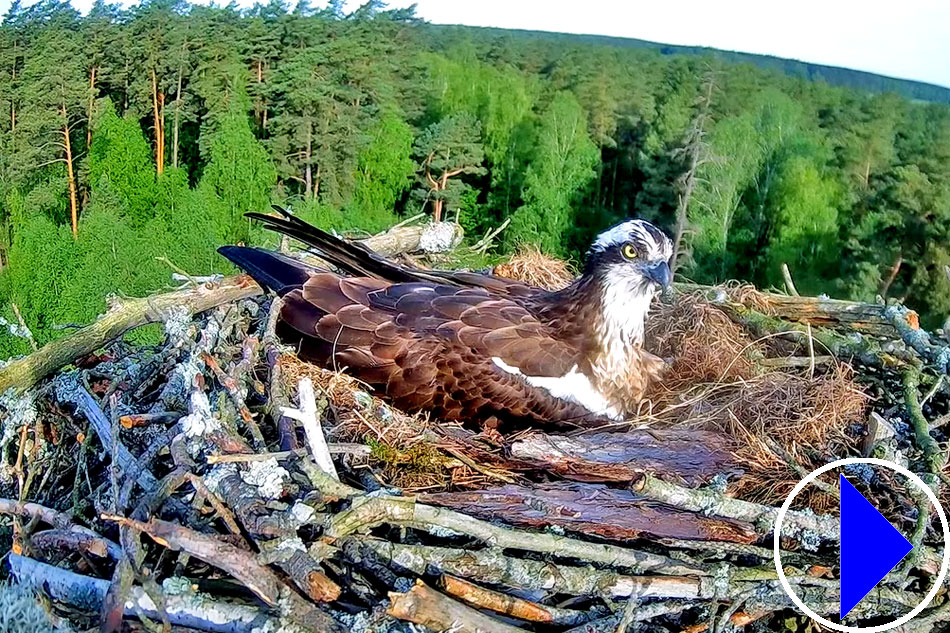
[(870, 546)]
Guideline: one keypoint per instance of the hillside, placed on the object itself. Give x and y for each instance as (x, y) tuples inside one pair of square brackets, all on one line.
[(834, 75)]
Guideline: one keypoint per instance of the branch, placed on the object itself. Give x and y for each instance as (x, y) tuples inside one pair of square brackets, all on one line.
[(98, 545), (309, 417), (802, 525), (25, 372), (87, 594), (379, 510), (493, 567), (511, 606), (426, 606)]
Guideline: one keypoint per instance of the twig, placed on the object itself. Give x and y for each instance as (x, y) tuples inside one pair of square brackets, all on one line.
[(933, 390), (800, 470), (27, 333), (240, 564), (224, 512), (410, 220), (231, 386), (76, 395), (811, 351), (60, 521), (66, 539), (486, 242), (308, 417)]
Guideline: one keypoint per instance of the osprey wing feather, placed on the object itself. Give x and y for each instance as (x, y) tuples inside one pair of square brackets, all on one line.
[(461, 345)]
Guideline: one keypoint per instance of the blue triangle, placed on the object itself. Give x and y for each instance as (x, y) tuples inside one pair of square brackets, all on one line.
[(870, 547)]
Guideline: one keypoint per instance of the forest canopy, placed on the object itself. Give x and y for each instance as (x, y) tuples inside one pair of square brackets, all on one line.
[(132, 140)]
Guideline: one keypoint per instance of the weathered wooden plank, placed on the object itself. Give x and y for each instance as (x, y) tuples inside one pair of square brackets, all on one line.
[(682, 455), (592, 509)]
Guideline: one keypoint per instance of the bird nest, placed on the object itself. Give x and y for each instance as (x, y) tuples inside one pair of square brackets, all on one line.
[(785, 421), (294, 497)]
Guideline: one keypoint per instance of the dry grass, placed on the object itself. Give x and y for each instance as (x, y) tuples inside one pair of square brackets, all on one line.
[(406, 451), (785, 423), (534, 267)]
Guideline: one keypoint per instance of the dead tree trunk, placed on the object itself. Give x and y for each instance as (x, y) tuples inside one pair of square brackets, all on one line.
[(157, 113), (308, 168), (70, 175), (177, 116), (696, 151), (891, 275)]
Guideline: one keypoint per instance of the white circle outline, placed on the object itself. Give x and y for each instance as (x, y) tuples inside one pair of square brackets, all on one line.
[(780, 517)]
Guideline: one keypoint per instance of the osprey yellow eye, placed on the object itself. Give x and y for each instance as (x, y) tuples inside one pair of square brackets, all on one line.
[(629, 251)]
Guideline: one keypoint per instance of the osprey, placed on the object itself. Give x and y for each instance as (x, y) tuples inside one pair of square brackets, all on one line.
[(467, 346)]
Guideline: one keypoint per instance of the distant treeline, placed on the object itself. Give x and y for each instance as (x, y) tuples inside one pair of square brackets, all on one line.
[(834, 75), (132, 141)]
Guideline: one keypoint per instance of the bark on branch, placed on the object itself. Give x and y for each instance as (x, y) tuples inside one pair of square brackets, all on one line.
[(25, 372)]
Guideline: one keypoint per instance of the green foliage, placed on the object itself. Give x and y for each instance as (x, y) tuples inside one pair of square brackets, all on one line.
[(384, 173), (564, 163), (120, 160), (238, 178), (356, 120)]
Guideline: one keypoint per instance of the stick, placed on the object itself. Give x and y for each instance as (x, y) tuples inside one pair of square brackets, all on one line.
[(335, 448), (492, 566), (398, 511), (236, 562), (26, 331), (61, 522), (423, 605), (87, 594), (711, 502), (933, 456), (77, 395), (508, 605), (787, 277), (848, 316), (25, 372), (308, 417)]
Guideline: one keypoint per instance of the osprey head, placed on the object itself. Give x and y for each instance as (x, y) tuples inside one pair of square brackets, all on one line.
[(634, 255)]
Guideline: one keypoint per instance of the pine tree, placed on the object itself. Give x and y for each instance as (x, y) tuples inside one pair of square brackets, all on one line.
[(446, 150), (53, 94)]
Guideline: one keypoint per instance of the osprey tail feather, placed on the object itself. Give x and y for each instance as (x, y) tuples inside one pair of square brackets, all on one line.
[(347, 256), (271, 270)]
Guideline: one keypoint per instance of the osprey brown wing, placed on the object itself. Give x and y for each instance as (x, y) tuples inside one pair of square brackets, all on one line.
[(433, 347)]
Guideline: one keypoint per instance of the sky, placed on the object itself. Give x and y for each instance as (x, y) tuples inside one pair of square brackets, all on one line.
[(904, 38)]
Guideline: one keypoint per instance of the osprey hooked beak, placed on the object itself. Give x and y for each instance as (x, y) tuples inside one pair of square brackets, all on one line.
[(660, 274)]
